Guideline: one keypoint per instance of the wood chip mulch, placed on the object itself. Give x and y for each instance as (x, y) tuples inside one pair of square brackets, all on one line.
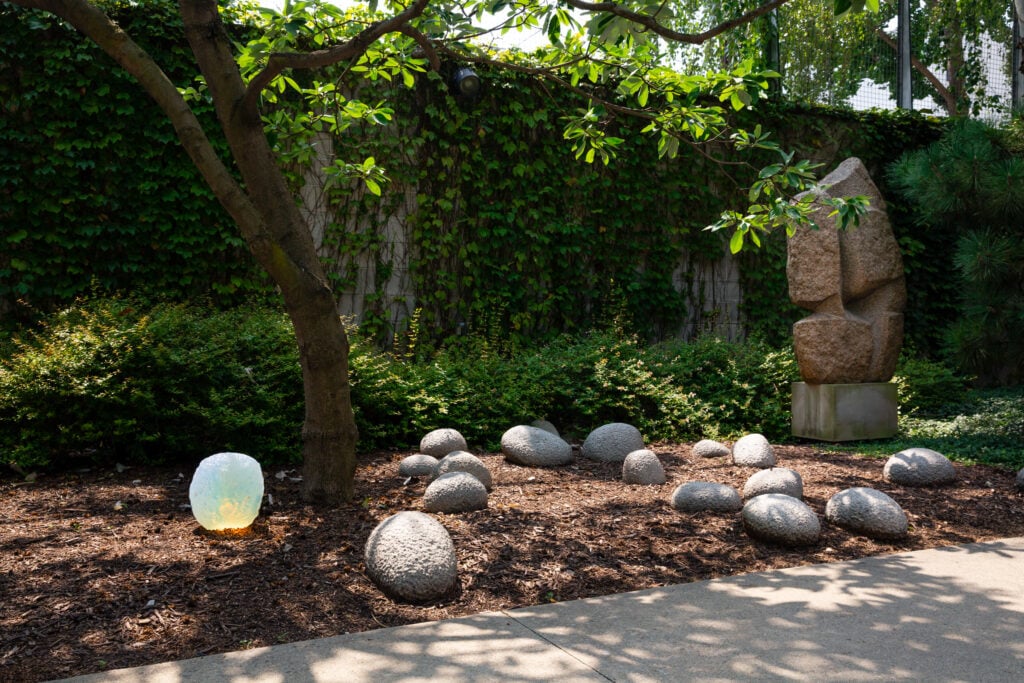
[(106, 569)]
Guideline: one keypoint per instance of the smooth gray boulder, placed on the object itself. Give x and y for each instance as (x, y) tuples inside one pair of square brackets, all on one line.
[(781, 519), (919, 467), (612, 442), (1020, 480), (643, 467), (753, 450), (535, 447), (774, 480), (411, 557), (455, 492), (546, 426), (706, 496), (706, 448), (464, 461), (867, 512), (417, 465), (441, 442)]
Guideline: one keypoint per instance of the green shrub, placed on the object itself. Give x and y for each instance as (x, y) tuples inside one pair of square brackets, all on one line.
[(985, 426), (970, 182), (111, 380), (671, 391), (108, 381), (925, 386)]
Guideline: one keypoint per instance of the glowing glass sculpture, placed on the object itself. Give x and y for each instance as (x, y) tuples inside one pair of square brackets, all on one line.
[(226, 491)]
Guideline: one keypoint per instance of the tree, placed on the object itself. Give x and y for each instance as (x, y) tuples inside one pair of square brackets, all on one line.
[(827, 61), (969, 184), (612, 59)]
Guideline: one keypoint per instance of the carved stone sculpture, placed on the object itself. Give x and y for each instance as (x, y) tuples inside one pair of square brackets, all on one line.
[(852, 280)]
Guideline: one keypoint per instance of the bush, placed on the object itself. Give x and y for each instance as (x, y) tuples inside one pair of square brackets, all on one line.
[(672, 391), (111, 380), (926, 386), (971, 183), (985, 426), (108, 380)]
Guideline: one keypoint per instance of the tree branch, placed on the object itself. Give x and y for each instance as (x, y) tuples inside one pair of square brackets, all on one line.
[(425, 45), (279, 61), (947, 97), (547, 73), (651, 22)]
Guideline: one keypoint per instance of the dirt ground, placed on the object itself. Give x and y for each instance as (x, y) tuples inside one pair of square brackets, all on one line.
[(105, 569)]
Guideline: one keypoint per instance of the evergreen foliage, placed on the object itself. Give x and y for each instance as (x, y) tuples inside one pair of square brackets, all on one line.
[(970, 184)]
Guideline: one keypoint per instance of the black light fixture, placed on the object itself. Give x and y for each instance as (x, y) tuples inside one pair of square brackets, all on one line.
[(465, 82)]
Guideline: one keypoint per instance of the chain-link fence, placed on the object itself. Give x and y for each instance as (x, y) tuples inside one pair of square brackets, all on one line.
[(957, 58), (963, 60)]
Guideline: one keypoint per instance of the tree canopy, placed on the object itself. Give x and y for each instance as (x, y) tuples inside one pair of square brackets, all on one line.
[(612, 54)]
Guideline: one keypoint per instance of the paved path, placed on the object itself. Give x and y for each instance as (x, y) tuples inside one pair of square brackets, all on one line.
[(951, 614)]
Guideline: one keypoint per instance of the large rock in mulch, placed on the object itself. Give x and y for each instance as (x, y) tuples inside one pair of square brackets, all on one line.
[(643, 467), (612, 442), (546, 426), (919, 467), (867, 512), (441, 442), (706, 496), (535, 447), (417, 465), (774, 480), (1020, 480), (706, 448), (464, 461), (455, 492), (753, 450), (411, 557), (781, 519)]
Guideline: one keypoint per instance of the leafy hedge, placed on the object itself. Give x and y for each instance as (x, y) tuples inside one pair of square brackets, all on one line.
[(114, 380)]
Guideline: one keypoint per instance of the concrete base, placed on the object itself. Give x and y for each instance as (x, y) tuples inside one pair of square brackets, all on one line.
[(844, 412)]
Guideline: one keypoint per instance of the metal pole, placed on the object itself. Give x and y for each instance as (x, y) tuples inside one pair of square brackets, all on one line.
[(1018, 77), (772, 53), (904, 96)]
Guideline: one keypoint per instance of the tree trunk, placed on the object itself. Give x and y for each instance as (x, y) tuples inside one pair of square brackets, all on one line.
[(329, 433), (267, 216), (955, 68)]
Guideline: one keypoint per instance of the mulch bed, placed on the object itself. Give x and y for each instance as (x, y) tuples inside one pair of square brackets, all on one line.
[(106, 569)]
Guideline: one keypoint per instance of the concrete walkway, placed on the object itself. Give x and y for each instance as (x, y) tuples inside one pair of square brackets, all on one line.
[(952, 614)]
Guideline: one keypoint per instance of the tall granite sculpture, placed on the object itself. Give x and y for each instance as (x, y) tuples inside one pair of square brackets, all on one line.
[(852, 281)]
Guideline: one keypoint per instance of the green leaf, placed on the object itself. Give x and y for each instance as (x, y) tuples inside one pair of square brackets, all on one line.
[(736, 243), (17, 236), (372, 186)]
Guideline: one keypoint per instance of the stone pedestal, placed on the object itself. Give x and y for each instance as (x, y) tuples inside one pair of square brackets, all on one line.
[(844, 412)]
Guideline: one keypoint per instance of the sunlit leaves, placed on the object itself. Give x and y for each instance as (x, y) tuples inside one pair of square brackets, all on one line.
[(368, 171), (588, 138), (844, 7)]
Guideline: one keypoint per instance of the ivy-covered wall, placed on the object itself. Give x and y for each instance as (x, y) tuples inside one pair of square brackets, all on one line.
[(488, 225), (508, 232), (95, 191)]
